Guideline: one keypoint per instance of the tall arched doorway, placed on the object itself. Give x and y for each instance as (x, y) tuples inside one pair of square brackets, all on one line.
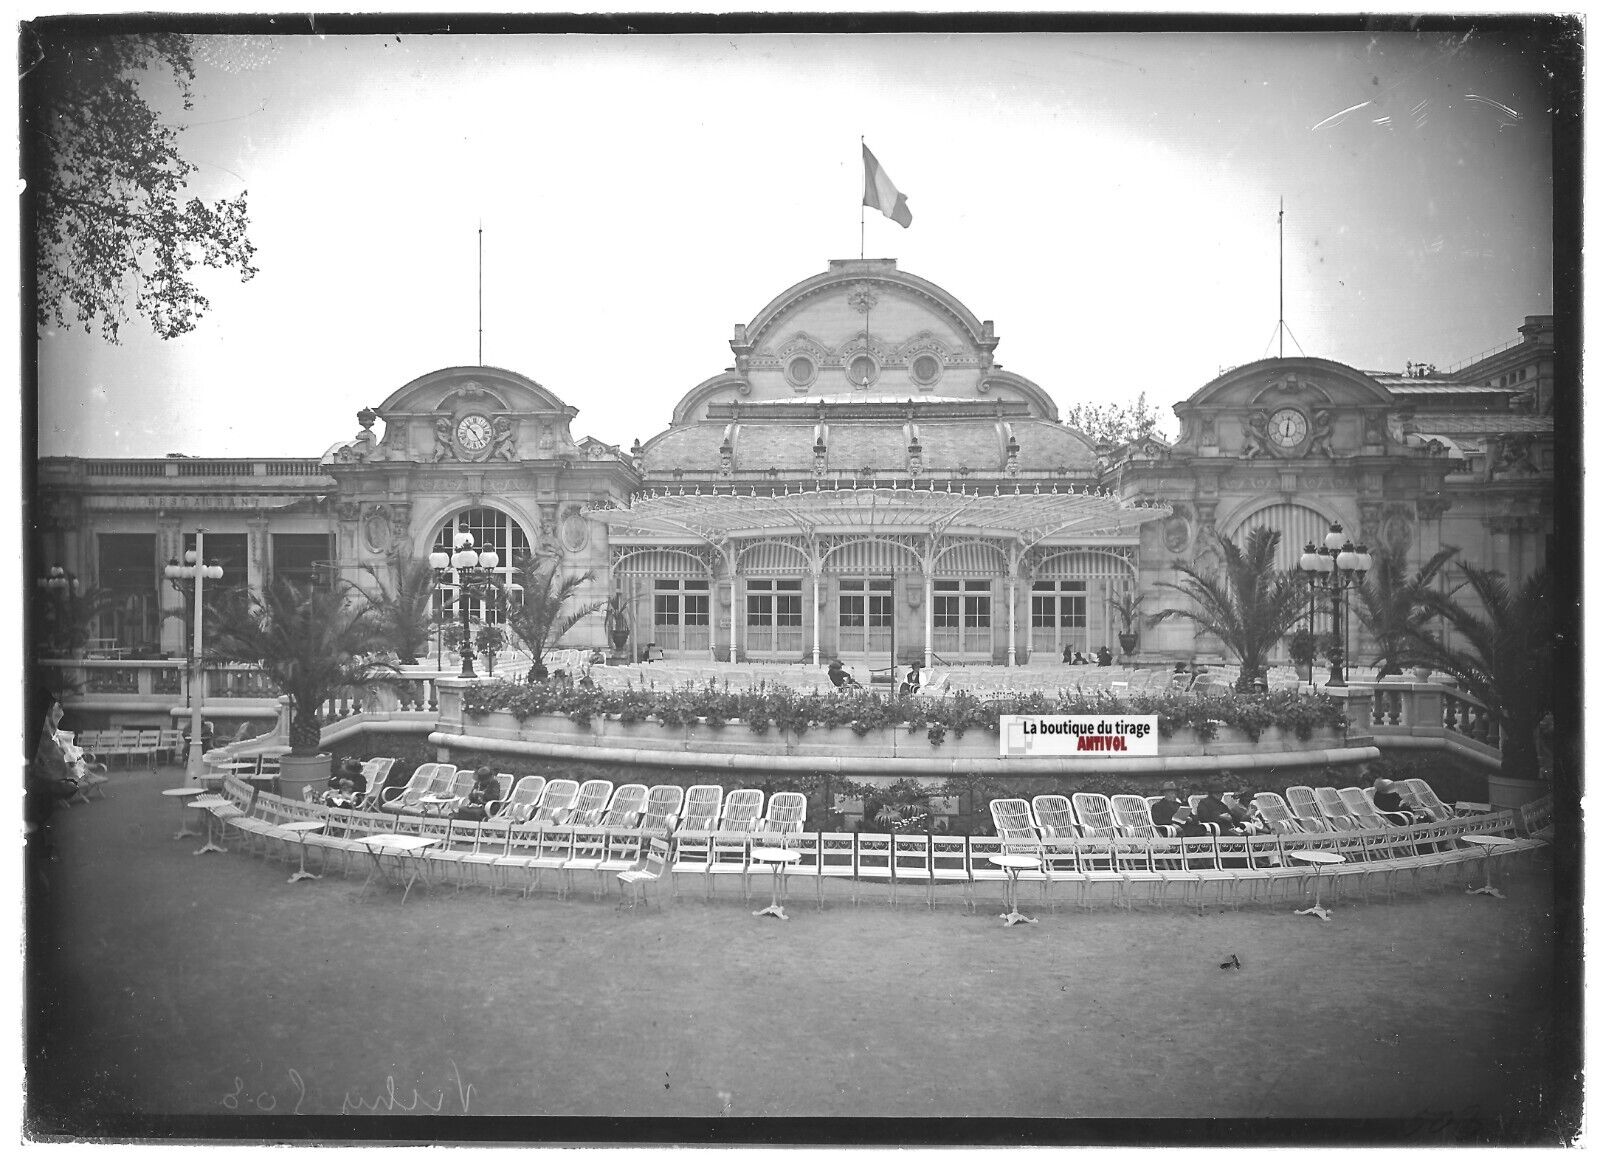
[(490, 529)]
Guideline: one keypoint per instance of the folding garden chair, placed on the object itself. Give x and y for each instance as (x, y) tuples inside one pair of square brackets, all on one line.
[(909, 858), (517, 807), (873, 862), (1275, 814), (591, 803), (661, 808), (1303, 803), (1333, 809), (638, 880), (1053, 815), (786, 812), (836, 859), (741, 810), (702, 805), (626, 806), (555, 803), (1094, 814), (1132, 816), (398, 799)]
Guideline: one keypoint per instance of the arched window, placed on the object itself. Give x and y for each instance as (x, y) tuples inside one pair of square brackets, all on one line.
[(490, 529)]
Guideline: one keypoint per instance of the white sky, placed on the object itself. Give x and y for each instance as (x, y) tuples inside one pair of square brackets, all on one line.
[(1109, 200)]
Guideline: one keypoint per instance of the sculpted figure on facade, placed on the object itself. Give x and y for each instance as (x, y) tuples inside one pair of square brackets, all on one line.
[(1321, 433), (505, 440), (1255, 436), (441, 437)]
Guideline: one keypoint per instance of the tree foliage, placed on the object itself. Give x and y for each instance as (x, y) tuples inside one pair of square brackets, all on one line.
[(1116, 424), (110, 220), (1249, 606), (1390, 604), (402, 600), (546, 611), (310, 642), (1506, 659)]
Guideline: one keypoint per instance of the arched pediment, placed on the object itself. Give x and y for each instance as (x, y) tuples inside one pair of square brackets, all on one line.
[(845, 278), (1310, 382), (489, 388)]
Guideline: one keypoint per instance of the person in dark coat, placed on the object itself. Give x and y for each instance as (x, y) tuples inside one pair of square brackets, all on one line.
[(1212, 810), (1162, 811), (485, 789), (839, 676), (1386, 798), (1103, 656), (913, 682)]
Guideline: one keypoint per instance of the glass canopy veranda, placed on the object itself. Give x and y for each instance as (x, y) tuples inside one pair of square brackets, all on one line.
[(741, 562)]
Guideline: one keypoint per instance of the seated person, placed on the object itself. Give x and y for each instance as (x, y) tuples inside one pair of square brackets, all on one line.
[(1386, 798), (652, 653), (1241, 806), (1103, 656), (1078, 659), (485, 790), (1164, 809), (342, 794), (839, 676), (1213, 811), (913, 682), (597, 657)]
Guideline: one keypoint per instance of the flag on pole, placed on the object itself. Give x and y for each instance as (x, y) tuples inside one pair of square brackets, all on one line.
[(880, 192)]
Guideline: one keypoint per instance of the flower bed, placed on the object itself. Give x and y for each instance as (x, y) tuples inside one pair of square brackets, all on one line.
[(715, 719)]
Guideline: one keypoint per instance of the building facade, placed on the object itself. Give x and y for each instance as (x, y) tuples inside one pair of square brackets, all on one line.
[(864, 479)]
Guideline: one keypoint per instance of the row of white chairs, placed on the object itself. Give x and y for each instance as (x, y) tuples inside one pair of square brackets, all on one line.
[(149, 744), (502, 854)]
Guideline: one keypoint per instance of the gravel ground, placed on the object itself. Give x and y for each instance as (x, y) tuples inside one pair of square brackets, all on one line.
[(175, 985)]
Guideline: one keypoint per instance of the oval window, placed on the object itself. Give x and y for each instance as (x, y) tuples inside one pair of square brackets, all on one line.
[(863, 371), (801, 370), (925, 369)]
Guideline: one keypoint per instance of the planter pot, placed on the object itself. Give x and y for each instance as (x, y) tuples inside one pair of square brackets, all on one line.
[(1302, 671), (1513, 793), (1129, 643), (300, 771)]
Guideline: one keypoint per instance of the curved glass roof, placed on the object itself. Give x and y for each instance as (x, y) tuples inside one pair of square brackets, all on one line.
[(1027, 516)]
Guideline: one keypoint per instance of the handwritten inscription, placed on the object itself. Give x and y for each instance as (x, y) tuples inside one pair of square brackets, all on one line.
[(288, 1094)]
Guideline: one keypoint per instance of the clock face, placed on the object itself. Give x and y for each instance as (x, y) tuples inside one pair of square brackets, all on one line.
[(1287, 427), (474, 433)]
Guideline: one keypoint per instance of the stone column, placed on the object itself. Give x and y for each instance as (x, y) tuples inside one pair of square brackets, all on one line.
[(1011, 618), (256, 547), (169, 545), (816, 617), (927, 620)]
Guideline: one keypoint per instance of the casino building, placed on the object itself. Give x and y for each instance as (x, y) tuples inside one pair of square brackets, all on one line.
[(864, 477)]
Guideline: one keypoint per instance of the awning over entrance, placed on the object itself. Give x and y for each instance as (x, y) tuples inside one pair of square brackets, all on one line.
[(1024, 517)]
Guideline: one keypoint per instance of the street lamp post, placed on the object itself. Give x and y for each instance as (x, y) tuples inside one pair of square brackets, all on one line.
[(60, 586), (1335, 567), (470, 567), (189, 579)]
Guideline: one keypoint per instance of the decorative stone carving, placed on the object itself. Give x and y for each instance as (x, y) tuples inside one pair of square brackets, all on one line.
[(547, 437), (1432, 508), (862, 298), (914, 459), (1397, 528), (1208, 430), (1321, 433), (574, 529), (1176, 532), (1514, 457), (819, 460), (505, 440), (377, 528), (443, 438), (348, 511), (1255, 436)]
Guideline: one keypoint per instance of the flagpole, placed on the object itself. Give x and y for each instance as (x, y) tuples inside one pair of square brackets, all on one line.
[(1280, 278), (480, 292), (863, 197)]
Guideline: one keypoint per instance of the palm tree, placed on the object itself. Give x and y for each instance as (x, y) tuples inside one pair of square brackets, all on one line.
[(1390, 604), (542, 616), (1249, 607), (404, 606), (1507, 659), (309, 642)]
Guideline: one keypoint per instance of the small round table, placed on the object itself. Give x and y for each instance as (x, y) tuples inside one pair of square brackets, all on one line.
[(780, 859), (183, 795), (302, 828), (205, 803), (1488, 844), (1316, 860), (1013, 865)]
